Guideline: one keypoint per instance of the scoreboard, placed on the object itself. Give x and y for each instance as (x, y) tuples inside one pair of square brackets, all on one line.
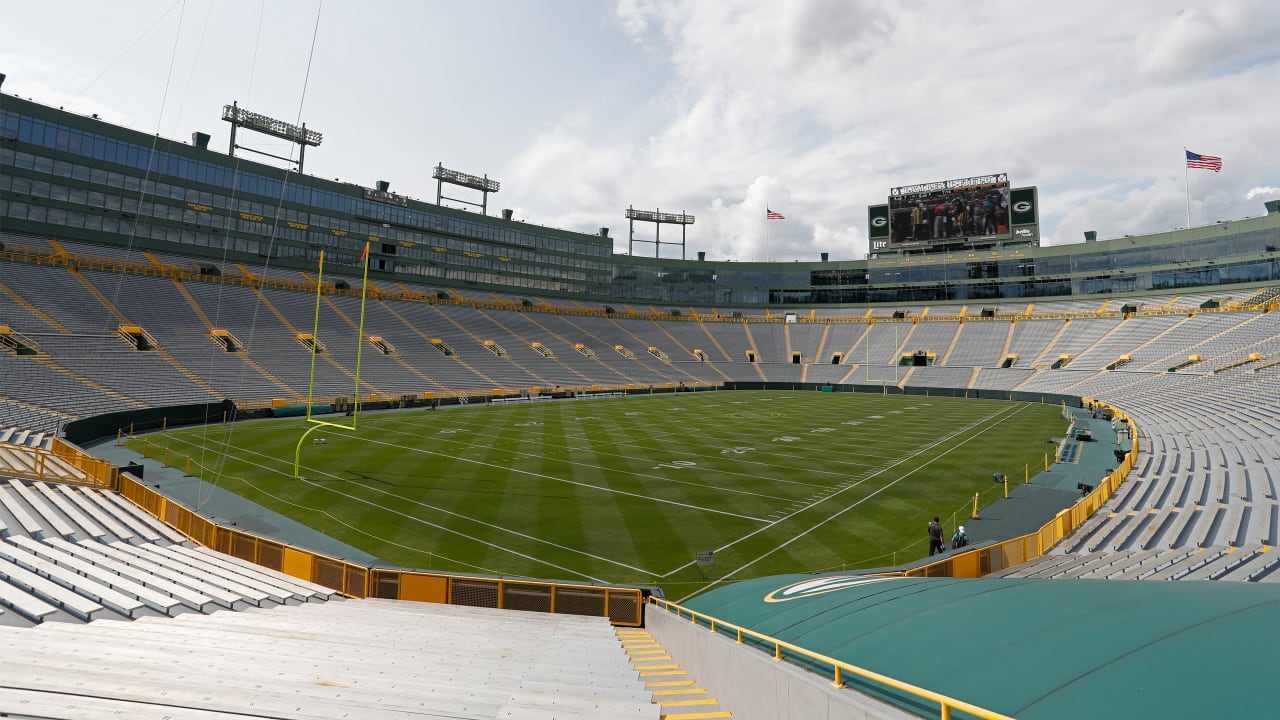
[(972, 212)]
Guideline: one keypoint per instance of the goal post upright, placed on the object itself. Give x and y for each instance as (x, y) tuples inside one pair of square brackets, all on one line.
[(315, 338), (364, 296), (316, 423)]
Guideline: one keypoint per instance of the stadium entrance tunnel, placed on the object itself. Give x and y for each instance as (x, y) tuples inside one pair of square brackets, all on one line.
[(138, 338)]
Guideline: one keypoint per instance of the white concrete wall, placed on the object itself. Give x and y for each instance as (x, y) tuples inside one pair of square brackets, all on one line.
[(754, 686)]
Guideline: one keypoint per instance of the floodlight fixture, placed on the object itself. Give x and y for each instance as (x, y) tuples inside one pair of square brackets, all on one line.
[(658, 218), (481, 184), (453, 177), (237, 115), (299, 134)]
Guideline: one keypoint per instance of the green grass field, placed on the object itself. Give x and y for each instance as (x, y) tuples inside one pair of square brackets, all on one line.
[(629, 489)]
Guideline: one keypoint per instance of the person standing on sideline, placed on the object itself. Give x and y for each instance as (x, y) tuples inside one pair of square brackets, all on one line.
[(935, 537), (960, 539)]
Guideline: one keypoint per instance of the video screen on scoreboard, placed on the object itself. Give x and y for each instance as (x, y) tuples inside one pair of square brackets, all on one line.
[(936, 211)]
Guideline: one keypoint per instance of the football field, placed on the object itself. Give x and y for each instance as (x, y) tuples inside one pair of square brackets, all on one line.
[(629, 489)]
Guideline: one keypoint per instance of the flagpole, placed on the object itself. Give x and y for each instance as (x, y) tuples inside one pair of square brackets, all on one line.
[(766, 231), (1186, 171)]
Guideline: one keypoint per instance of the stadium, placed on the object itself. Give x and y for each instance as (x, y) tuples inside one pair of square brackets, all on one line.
[(282, 446)]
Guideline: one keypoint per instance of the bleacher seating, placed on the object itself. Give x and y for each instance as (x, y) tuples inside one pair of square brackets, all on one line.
[(363, 658), (73, 554), (1205, 480)]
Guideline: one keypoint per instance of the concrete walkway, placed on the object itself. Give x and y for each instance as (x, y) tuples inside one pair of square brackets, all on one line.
[(1031, 505)]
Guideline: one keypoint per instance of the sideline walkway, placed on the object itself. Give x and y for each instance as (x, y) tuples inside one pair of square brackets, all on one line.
[(1031, 505), (227, 508)]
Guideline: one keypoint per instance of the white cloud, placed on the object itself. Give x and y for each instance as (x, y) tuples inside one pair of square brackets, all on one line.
[(1262, 192), (1210, 40), (817, 107)]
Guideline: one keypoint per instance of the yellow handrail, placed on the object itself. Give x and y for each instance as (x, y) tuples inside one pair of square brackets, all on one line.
[(62, 463), (839, 668)]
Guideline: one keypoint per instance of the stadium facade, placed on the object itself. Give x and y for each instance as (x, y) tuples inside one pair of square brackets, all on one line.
[(67, 175)]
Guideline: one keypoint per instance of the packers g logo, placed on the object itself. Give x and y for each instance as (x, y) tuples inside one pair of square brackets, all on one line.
[(821, 586), (879, 222), (1022, 206)]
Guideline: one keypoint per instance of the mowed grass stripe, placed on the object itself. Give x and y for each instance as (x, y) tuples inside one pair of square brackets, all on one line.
[(508, 510), (619, 468), (321, 493), (940, 449), (797, 522), (674, 441), (646, 522), (761, 426), (695, 447), (601, 533)]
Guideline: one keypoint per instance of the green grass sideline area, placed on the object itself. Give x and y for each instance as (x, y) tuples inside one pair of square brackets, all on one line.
[(628, 490)]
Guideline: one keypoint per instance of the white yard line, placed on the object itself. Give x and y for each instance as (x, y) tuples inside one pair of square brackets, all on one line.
[(678, 452), (318, 472), (687, 506), (422, 521), (999, 417)]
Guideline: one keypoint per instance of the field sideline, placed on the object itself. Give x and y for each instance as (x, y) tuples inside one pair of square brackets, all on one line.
[(629, 489)]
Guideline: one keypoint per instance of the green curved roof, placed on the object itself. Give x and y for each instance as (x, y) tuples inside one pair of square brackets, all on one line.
[(1034, 648)]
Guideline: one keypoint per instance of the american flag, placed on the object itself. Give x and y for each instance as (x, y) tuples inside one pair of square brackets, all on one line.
[(1207, 162), (771, 215)]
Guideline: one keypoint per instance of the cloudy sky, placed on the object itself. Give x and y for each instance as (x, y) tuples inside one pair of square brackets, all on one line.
[(715, 107)]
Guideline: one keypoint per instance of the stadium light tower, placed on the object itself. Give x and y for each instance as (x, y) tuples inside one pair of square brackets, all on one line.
[(241, 118), (483, 184), (658, 218)]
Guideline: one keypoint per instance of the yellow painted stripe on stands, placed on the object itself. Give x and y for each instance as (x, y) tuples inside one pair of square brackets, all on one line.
[(668, 683), (661, 673), (651, 658), (687, 703), (682, 691), (698, 716), (658, 667)]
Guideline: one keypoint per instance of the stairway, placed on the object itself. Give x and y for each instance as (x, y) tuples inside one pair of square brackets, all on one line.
[(673, 690)]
